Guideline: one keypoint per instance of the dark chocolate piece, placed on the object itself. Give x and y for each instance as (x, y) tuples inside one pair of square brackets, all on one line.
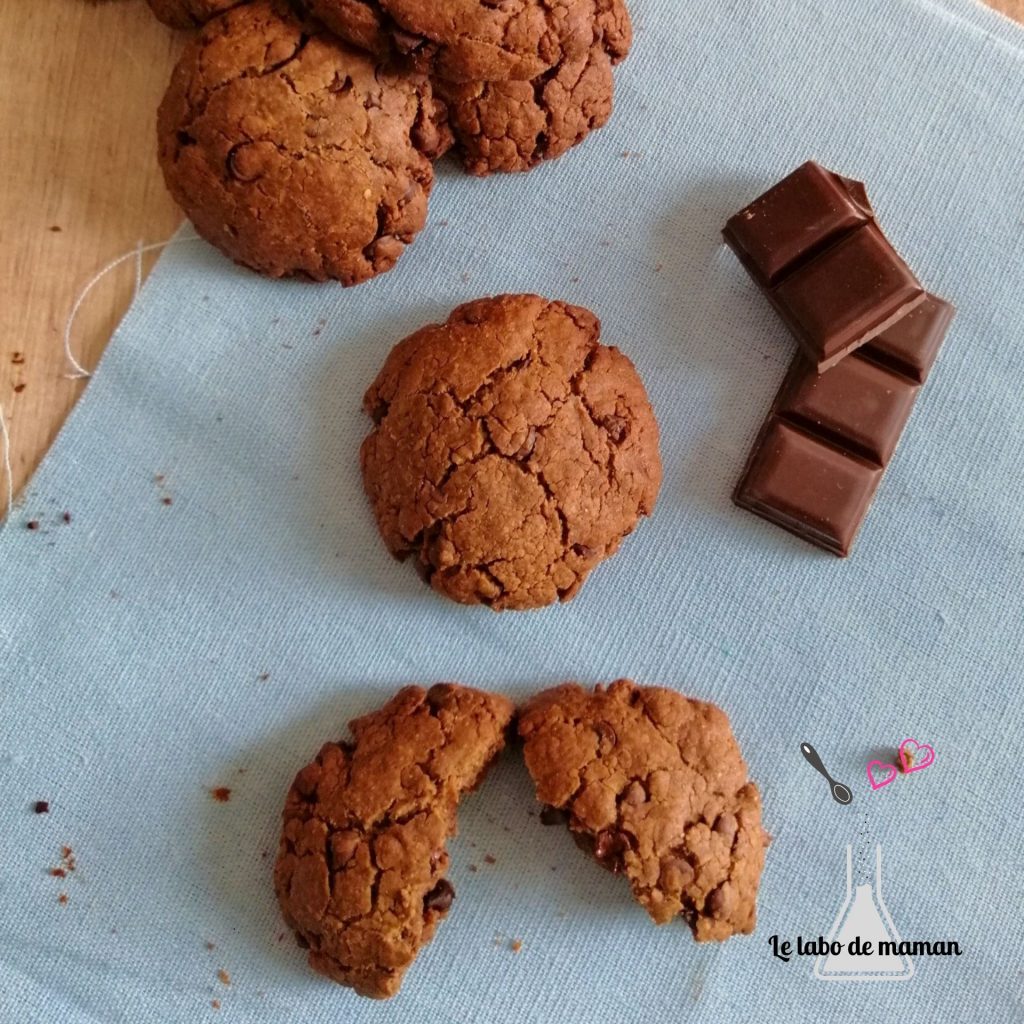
[(821, 455), (813, 246)]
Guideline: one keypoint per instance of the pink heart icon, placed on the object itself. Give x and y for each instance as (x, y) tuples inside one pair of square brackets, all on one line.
[(914, 756), (890, 771)]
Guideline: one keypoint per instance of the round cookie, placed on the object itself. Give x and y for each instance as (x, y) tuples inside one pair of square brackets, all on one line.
[(360, 874), (189, 13), (511, 451), (295, 154), (472, 40), (653, 785), (513, 126)]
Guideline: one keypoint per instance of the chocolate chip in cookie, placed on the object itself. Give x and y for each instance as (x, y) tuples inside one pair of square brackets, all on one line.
[(474, 40), (511, 451), (295, 154), (654, 788), (360, 874)]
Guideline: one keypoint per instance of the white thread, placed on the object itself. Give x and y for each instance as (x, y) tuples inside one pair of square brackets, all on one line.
[(80, 372), (5, 445)]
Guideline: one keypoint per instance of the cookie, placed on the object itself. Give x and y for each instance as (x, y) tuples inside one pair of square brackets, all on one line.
[(472, 40), (511, 451), (360, 874), (295, 154), (189, 13), (513, 126), (653, 785)]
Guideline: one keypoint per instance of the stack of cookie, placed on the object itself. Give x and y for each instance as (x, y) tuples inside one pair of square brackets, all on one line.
[(300, 139)]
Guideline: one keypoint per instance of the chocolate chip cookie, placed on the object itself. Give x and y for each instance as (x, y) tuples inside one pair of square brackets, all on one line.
[(360, 874), (189, 13), (472, 40), (511, 451), (513, 126), (295, 154), (653, 785)]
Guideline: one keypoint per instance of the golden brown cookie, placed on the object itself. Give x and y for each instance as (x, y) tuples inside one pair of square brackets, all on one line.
[(189, 13), (295, 154), (360, 874), (511, 451), (473, 40), (513, 126), (653, 785)]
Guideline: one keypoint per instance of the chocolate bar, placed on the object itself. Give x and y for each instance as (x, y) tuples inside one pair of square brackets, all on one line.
[(813, 246), (821, 455)]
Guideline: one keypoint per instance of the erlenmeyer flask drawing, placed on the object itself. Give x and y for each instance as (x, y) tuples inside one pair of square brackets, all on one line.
[(864, 916)]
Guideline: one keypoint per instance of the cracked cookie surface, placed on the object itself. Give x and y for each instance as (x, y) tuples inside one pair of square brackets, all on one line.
[(513, 126), (512, 451), (295, 154), (473, 40), (189, 13), (653, 785), (360, 874)]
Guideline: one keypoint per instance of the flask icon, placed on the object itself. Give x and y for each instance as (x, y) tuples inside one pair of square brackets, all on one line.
[(864, 916)]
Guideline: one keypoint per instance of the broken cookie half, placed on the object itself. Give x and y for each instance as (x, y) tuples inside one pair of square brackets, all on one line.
[(360, 873), (653, 785)]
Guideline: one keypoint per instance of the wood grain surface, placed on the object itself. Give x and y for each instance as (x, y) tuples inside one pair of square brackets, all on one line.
[(80, 81)]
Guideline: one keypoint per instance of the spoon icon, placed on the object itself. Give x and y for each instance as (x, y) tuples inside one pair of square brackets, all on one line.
[(840, 793)]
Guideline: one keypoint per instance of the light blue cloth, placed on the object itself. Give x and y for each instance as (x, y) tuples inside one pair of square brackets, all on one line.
[(135, 642)]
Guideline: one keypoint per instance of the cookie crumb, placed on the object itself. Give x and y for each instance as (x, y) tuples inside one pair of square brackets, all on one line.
[(904, 761), (58, 873), (215, 1003), (42, 807), (263, 677), (62, 899), (223, 977), (167, 501), (490, 859), (18, 388), (209, 945), (66, 518), (222, 794), (516, 945), (473, 868), (32, 524)]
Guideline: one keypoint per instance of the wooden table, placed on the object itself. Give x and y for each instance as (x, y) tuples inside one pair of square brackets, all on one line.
[(80, 81)]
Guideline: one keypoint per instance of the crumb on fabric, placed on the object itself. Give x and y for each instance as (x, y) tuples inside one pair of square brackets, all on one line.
[(159, 478), (223, 977), (58, 873), (215, 1003), (167, 501), (473, 868), (62, 899), (18, 388), (222, 794), (67, 858), (490, 859), (904, 761), (41, 807), (32, 524), (516, 945), (263, 677), (209, 945), (66, 518)]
